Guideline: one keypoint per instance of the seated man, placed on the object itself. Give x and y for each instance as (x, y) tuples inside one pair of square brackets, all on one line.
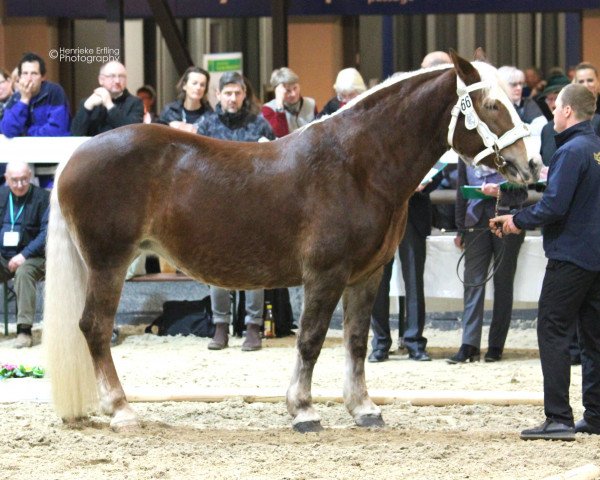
[(38, 108), (109, 106), (233, 120), (24, 213)]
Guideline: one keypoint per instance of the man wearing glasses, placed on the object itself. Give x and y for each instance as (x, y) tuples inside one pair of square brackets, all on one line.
[(109, 106), (24, 214)]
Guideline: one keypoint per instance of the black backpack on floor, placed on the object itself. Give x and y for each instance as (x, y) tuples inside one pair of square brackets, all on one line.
[(184, 318)]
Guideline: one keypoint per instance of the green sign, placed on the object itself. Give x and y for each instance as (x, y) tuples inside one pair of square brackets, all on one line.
[(225, 65)]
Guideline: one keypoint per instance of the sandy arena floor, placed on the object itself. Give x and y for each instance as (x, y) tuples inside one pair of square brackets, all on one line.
[(234, 439)]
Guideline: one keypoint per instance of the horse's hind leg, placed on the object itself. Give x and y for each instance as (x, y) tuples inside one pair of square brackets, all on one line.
[(102, 300), (358, 303), (320, 300)]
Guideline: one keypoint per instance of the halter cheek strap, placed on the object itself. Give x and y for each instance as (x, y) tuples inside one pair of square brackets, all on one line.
[(491, 141)]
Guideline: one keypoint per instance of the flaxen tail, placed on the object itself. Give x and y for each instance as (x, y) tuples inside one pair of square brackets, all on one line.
[(69, 361)]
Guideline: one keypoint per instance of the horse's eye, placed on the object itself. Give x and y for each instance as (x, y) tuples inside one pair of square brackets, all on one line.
[(491, 106)]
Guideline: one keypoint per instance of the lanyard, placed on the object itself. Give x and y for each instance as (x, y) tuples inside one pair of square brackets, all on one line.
[(13, 219)]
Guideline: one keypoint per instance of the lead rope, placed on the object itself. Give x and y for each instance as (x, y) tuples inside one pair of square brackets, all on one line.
[(500, 165)]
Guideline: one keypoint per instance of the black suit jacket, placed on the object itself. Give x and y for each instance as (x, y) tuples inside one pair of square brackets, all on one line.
[(420, 209)]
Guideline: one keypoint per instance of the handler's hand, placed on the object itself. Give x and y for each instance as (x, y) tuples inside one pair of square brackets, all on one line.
[(459, 241), (503, 225)]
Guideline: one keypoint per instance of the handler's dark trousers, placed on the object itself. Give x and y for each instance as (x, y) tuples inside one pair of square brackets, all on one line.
[(569, 294)]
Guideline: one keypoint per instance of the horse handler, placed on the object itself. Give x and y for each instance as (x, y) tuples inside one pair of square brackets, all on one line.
[(569, 211)]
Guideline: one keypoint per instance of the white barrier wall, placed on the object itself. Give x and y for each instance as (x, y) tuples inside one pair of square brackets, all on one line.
[(442, 281), (38, 149)]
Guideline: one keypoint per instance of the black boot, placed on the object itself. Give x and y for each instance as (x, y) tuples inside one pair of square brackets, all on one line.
[(220, 338), (494, 354), (466, 353)]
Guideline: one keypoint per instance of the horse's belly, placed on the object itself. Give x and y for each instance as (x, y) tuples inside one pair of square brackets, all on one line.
[(237, 270)]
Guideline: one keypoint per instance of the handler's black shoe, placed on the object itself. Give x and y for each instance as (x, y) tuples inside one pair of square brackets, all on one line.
[(584, 427), (549, 430), (378, 356)]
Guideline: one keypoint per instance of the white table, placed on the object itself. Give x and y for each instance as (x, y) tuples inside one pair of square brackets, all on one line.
[(440, 270), (38, 150)]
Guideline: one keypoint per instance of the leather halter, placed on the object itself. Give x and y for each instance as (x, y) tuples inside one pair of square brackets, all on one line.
[(491, 141)]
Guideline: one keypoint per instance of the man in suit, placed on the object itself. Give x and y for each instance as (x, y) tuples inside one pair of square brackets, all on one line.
[(412, 251)]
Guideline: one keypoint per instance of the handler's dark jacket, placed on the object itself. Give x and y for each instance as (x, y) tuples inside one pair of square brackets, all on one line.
[(128, 109), (32, 241), (569, 210)]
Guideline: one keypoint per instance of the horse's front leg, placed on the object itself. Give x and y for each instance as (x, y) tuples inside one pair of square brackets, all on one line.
[(102, 300), (320, 299), (358, 303)]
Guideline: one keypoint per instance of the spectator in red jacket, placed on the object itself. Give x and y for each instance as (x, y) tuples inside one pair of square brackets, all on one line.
[(289, 110)]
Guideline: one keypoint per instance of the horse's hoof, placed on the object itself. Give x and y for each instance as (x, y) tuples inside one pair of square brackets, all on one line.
[(125, 426), (124, 421), (308, 427), (370, 421)]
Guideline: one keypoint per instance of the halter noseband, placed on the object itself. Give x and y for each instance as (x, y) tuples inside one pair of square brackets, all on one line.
[(491, 141)]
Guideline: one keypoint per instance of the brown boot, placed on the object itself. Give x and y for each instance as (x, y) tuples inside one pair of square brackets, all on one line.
[(220, 338), (253, 341), (23, 340)]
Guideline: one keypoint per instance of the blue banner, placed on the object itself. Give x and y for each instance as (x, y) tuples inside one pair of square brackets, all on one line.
[(262, 8)]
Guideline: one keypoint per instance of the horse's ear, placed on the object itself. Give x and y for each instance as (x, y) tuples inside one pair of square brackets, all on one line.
[(479, 55), (467, 72)]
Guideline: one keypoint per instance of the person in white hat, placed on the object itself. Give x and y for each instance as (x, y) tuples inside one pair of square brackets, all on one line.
[(348, 84)]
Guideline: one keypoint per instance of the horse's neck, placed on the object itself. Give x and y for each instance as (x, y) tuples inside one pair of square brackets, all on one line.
[(410, 125)]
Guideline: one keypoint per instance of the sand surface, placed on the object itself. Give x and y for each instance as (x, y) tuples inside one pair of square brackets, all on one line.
[(236, 439)]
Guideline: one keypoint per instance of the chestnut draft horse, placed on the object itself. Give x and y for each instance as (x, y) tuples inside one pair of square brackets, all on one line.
[(324, 207)]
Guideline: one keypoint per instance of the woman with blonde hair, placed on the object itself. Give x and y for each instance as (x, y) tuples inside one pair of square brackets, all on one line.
[(348, 84)]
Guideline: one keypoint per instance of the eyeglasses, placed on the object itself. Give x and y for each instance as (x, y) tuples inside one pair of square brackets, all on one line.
[(114, 76), (22, 181), (516, 84)]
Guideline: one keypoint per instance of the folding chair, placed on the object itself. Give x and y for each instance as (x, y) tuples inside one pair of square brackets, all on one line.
[(9, 294)]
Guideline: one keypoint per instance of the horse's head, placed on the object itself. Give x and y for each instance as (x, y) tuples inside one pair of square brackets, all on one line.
[(485, 127)]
